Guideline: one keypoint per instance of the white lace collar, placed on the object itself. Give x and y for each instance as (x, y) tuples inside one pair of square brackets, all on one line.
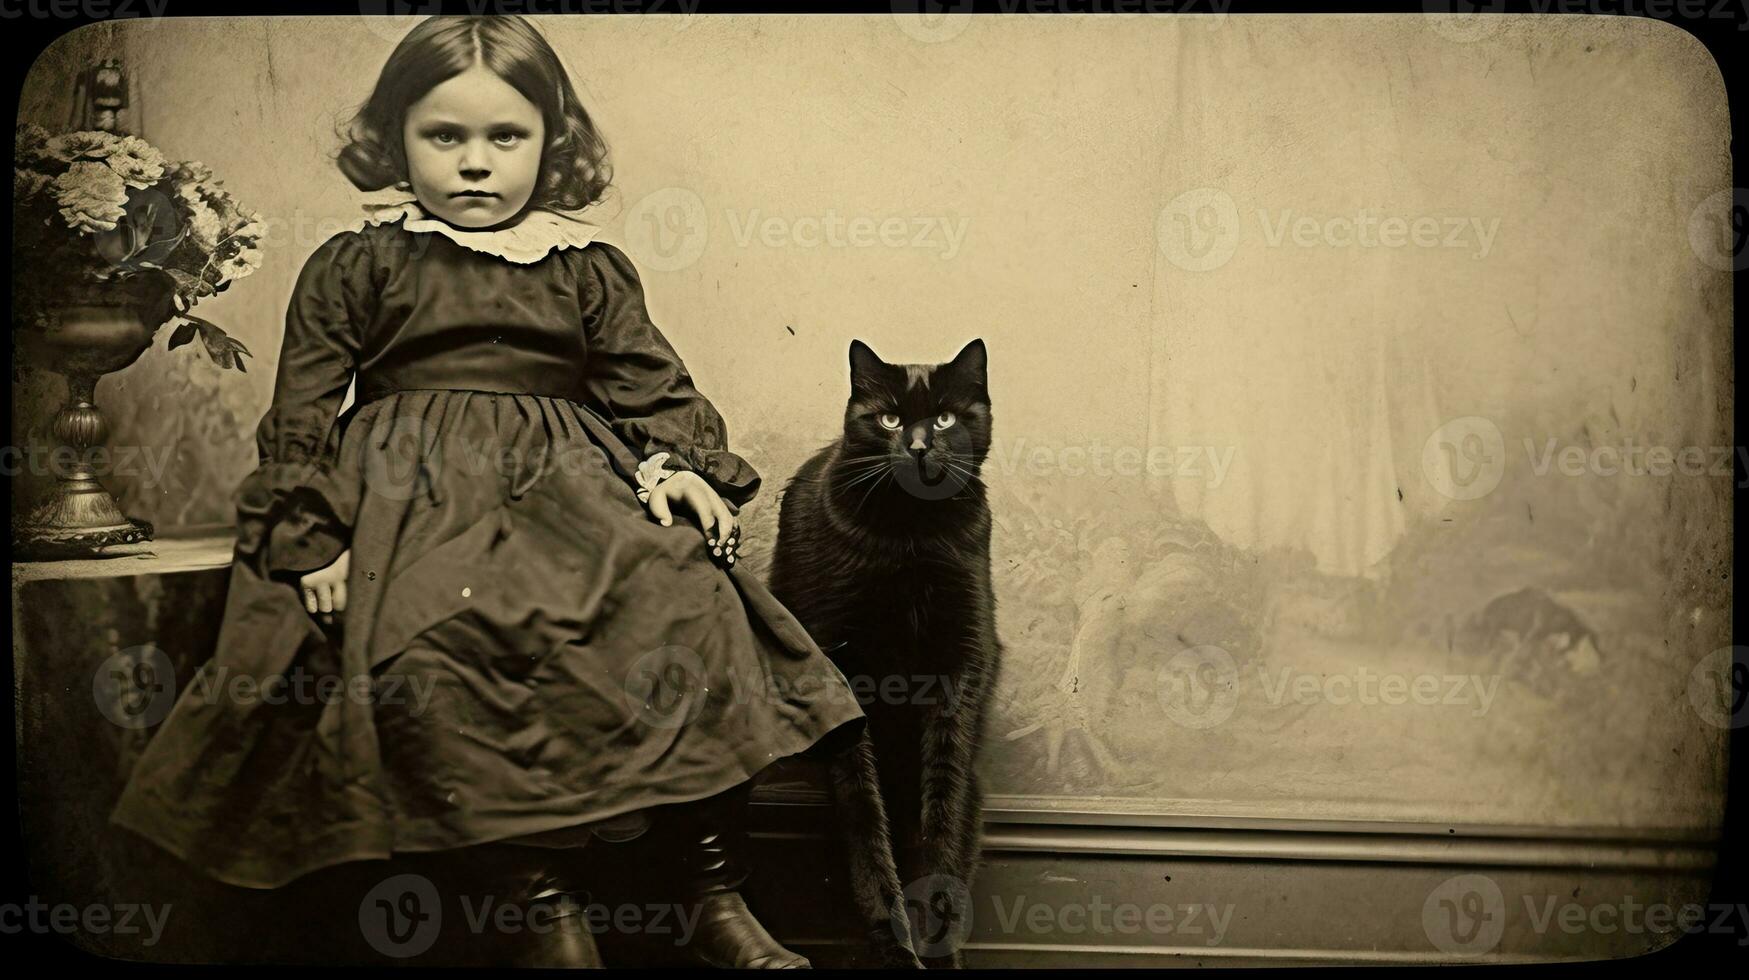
[(529, 240)]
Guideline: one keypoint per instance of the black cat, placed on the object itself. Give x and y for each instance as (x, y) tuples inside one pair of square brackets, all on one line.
[(883, 554)]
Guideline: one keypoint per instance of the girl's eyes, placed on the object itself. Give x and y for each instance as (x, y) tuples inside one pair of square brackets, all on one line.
[(504, 139), (889, 420)]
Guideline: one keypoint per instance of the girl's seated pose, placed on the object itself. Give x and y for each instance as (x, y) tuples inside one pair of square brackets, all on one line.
[(527, 520)]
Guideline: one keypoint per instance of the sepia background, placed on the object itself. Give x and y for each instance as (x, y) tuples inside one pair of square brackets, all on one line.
[(1236, 450)]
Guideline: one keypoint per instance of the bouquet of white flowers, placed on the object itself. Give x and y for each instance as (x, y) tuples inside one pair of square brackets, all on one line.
[(94, 207)]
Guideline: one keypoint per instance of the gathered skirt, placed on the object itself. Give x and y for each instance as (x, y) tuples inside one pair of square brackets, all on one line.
[(523, 651)]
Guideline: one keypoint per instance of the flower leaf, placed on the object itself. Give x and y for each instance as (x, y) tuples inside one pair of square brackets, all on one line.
[(184, 279), (225, 351), (183, 333)]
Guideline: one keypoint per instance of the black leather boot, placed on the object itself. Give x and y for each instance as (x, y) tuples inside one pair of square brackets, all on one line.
[(710, 837), (552, 928), (557, 929)]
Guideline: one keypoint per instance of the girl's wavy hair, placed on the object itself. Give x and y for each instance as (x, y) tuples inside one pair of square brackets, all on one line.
[(574, 169)]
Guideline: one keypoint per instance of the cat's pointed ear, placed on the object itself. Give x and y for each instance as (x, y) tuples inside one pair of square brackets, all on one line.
[(863, 360), (972, 362)]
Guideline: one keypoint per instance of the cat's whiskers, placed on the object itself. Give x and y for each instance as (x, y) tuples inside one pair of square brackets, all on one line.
[(858, 464), (866, 463), (871, 487), (968, 473), (873, 474), (847, 478)]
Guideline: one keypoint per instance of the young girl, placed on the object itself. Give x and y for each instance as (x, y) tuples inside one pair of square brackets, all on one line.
[(532, 644)]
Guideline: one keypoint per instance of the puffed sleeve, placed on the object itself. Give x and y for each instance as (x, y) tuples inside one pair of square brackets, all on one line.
[(638, 383), (292, 517)]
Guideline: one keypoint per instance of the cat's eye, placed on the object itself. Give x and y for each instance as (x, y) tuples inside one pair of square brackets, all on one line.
[(944, 420), (889, 420)]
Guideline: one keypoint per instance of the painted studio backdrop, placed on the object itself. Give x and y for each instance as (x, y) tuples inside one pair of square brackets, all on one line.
[(1342, 367)]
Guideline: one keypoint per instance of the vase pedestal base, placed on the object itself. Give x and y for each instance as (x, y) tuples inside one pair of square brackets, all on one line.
[(133, 538), (78, 520), (77, 517)]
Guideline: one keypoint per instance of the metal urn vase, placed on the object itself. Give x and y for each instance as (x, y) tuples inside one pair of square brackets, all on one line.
[(104, 328)]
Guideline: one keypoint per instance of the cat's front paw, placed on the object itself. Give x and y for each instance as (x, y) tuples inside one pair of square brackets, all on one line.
[(890, 953), (902, 959)]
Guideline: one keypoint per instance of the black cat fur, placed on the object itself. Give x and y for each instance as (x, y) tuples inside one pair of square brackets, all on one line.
[(883, 554)]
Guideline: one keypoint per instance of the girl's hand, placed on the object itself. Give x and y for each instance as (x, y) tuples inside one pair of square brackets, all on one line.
[(721, 529), (325, 589)]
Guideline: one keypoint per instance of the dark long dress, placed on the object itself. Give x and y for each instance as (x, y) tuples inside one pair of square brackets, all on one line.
[(542, 654)]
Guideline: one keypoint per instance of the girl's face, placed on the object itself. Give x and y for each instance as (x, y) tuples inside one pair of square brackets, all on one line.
[(473, 149)]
